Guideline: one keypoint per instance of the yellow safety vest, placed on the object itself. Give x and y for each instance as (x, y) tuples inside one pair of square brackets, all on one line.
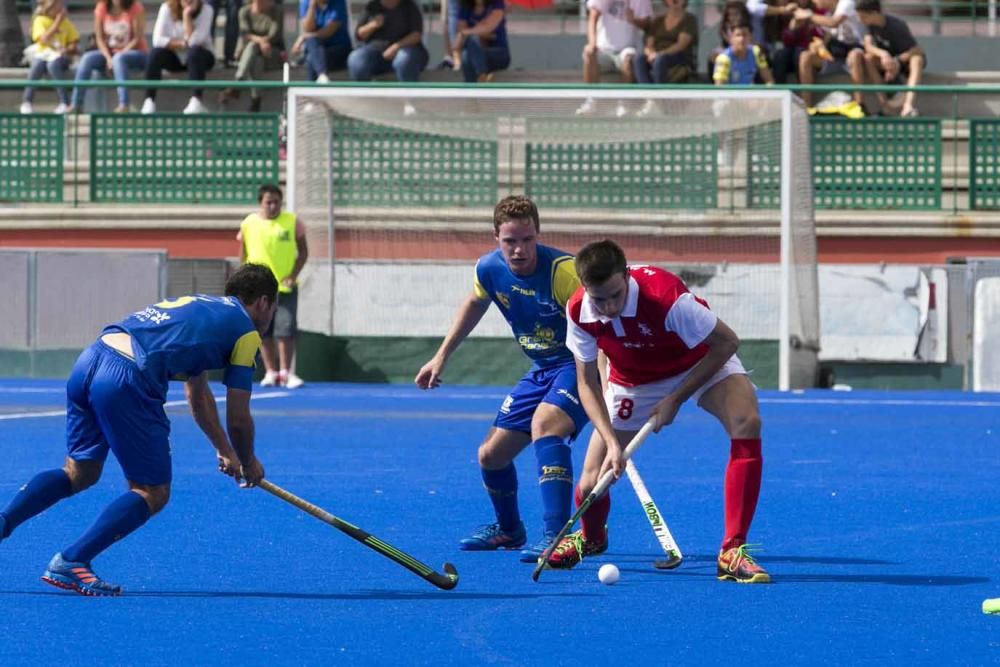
[(272, 243)]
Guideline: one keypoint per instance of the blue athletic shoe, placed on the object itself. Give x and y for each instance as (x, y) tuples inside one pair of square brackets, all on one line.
[(491, 537), (535, 551), (78, 577)]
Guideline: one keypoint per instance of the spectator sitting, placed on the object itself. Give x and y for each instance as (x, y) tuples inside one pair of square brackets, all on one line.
[(260, 47), (845, 34), (742, 61), (181, 42), (120, 33), (734, 12), (54, 40), (891, 52), (392, 33), (481, 39), (671, 45), (797, 37), (325, 37), (614, 34), (761, 12)]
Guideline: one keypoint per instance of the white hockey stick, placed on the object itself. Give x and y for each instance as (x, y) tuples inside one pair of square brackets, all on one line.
[(660, 529)]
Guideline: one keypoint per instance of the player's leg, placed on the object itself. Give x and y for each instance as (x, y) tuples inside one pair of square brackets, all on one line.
[(285, 327), (496, 463), (87, 450), (732, 399), (131, 417)]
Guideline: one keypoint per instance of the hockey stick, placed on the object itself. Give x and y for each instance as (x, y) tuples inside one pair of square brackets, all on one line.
[(598, 491), (447, 581), (660, 529)]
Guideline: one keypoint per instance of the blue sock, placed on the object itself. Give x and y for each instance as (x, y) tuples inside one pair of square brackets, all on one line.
[(502, 487), (43, 491), (126, 513), (555, 481)]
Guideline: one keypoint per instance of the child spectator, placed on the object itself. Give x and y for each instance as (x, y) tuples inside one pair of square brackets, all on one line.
[(742, 61), (845, 35), (54, 41), (891, 53), (734, 12), (120, 33), (391, 36), (181, 42)]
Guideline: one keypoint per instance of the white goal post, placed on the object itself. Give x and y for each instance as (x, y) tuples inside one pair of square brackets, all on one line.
[(397, 185)]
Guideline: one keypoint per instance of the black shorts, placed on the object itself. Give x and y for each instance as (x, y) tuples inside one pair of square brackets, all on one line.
[(285, 323)]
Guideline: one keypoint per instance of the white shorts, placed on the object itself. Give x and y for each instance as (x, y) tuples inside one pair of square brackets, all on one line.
[(611, 61), (630, 407)]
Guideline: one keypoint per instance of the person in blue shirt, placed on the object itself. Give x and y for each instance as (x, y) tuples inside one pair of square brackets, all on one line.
[(743, 61), (530, 283), (481, 39), (114, 402), (325, 38)]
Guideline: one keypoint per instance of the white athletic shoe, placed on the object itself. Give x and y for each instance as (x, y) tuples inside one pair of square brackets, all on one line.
[(588, 107), (270, 379), (293, 381), (194, 105), (60, 108), (621, 110), (409, 110), (322, 78), (26, 108), (148, 106)]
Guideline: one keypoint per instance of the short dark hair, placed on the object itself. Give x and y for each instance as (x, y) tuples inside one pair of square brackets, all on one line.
[(740, 25), (870, 6), (515, 207), (269, 188), (252, 281), (598, 261)]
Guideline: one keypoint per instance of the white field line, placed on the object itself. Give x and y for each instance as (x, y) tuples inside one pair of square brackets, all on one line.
[(168, 404)]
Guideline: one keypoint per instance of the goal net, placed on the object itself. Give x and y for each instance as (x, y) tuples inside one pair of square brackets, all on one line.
[(397, 186)]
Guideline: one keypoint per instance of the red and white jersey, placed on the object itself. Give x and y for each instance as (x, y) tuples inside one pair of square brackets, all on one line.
[(659, 333)]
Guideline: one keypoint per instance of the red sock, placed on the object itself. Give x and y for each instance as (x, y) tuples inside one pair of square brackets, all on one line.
[(594, 521), (741, 489)]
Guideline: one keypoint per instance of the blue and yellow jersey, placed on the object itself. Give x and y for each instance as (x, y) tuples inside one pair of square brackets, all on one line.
[(535, 305), (181, 338)]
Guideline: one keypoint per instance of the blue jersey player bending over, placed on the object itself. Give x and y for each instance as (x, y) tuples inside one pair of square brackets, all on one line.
[(115, 398), (530, 283)]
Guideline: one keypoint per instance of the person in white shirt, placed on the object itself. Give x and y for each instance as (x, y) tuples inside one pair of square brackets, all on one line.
[(182, 41), (614, 35), (844, 47)]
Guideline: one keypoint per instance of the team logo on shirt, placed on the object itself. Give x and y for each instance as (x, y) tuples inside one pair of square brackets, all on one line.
[(644, 329), (503, 299), (542, 338)]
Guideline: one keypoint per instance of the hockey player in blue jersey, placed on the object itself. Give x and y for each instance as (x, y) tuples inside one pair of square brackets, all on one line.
[(530, 283), (115, 396)]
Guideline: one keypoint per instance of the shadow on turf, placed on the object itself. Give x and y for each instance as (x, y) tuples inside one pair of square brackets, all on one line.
[(357, 595), (762, 557)]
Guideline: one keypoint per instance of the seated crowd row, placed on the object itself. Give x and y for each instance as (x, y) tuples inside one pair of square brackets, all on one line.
[(761, 42)]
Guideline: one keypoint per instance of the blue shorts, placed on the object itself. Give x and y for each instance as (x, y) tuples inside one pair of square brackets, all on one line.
[(555, 385), (111, 405)]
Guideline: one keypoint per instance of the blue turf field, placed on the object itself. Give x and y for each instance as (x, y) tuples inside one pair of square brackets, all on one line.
[(879, 519)]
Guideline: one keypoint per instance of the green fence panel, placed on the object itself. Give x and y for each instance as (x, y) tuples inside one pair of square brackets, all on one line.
[(31, 157), (764, 166), (429, 162), (579, 163), (885, 163), (984, 164), (182, 159)]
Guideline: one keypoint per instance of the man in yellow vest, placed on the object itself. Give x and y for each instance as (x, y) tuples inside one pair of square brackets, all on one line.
[(277, 239)]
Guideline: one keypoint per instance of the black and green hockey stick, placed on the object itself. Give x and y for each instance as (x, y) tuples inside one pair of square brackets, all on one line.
[(446, 581)]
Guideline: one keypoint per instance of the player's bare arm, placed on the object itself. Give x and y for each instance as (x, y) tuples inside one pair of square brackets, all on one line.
[(240, 426), (469, 314), (206, 415), (589, 387), (722, 343)]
